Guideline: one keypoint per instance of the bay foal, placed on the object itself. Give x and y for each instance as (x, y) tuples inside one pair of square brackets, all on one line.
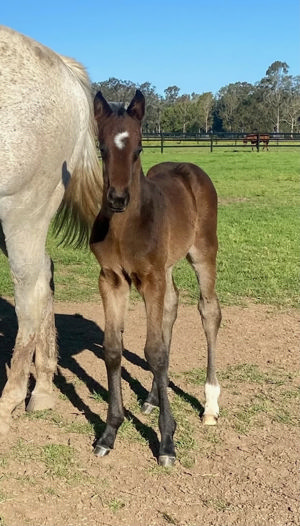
[(145, 225)]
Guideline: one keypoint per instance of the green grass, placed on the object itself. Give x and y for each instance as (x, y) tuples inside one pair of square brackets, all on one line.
[(258, 231)]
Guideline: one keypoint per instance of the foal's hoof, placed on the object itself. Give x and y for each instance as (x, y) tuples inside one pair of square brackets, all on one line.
[(40, 402), (166, 461), (147, 408), (209, 420), (101, 451)]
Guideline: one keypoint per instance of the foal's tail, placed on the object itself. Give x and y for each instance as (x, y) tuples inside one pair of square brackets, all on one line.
[(83, 194)]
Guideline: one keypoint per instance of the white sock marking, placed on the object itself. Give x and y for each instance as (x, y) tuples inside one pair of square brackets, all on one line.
[(119, 139), (212, 393)]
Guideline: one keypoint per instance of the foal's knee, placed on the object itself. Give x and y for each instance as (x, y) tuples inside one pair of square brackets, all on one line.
[(112, 358), (157, 357)]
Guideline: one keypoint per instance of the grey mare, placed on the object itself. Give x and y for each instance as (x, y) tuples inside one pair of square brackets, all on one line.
[(48, 160)]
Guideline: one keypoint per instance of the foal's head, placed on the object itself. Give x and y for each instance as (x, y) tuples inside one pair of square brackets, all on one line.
[(120, 140)]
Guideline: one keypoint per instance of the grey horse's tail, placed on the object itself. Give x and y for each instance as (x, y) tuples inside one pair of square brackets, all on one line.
[(83, 195)]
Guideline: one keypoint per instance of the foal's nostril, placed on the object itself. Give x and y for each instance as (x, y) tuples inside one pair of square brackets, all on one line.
[(117, 199)]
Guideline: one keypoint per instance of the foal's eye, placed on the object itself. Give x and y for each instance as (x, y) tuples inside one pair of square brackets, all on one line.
[(137, 152)]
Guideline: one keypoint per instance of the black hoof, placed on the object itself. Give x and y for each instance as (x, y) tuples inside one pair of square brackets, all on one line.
[(101, 451), (166, 461), (147, 408)]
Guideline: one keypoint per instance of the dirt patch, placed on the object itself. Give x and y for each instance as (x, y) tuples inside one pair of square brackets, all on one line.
[(243, 472)]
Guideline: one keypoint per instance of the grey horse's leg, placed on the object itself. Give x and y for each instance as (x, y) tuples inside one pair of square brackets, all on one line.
[(42, 396), (31, 271)]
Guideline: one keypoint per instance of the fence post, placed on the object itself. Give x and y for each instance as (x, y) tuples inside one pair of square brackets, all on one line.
[(257, 141), (211, 143), (161, 143)]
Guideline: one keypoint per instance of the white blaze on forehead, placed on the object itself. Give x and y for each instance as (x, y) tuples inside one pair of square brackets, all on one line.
[(119, 139)]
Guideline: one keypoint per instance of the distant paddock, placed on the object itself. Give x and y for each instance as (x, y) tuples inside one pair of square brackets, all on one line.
[(244, 141)]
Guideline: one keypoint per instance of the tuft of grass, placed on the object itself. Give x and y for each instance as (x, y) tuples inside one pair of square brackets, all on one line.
[(116, 505), (128, 432), (97, 397), (251, 373), (59, 460), (195, 376)]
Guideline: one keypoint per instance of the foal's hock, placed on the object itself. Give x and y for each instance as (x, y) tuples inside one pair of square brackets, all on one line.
[(145, 225)]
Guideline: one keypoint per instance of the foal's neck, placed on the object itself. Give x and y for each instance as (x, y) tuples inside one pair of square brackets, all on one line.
[(136, 187)]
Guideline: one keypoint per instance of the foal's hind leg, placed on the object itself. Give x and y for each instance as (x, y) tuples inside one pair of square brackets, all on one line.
[(169, 317), (31, 274), (157, 354), (203, 259)]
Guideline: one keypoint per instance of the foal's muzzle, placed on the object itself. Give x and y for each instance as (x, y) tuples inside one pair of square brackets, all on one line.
[(117, 200)]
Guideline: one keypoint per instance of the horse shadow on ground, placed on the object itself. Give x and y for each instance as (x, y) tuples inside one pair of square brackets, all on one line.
[(76, 333)]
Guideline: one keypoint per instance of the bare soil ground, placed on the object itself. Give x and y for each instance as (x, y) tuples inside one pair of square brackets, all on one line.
[(243, 472)]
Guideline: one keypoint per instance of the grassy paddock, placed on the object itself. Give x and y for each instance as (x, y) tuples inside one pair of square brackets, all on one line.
[(258, 231)]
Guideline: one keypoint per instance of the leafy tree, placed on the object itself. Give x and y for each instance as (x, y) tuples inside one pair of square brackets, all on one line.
[(291, 105), (171, 94), (232, 101), (203, 106), (152, 120), (275, 86), (116, 90)]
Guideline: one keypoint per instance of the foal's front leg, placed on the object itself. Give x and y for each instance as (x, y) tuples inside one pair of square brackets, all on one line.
[(114, 290), (157, 355)]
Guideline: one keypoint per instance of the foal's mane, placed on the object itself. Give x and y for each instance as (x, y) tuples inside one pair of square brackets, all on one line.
[(118, 108)]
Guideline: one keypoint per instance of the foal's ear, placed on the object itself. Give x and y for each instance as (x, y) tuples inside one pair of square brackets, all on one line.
[(136, 108), (101, 106)]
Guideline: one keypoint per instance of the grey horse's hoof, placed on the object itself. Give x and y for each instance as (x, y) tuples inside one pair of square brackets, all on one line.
[(147, 408), (101, 451), (166, 461), (40, 402)]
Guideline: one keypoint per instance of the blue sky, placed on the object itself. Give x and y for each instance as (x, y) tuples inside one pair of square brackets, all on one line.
[(197, 45)]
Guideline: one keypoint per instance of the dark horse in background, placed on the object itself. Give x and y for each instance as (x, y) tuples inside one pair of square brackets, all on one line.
[(256, 138), (145, 225)]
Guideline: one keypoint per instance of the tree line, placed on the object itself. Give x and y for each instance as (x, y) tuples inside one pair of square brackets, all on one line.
[(270, 105)]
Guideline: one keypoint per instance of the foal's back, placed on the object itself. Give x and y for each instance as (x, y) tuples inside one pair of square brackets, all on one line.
[(189, 204)]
